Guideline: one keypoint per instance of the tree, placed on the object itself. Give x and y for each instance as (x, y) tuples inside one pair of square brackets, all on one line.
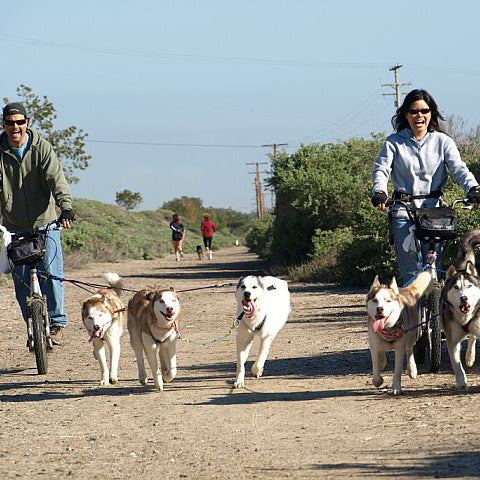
[(128, 200), (69, 143), (190, 208)]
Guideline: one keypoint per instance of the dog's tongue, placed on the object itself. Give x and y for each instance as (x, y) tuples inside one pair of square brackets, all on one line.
[(378, 325), (95, 334), (249, 308)]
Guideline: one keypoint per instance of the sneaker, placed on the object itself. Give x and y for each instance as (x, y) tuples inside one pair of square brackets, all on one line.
[(181, 253), (56, 334)]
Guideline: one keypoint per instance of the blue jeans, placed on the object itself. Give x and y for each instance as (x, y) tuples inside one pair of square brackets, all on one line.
[(52, 263), (410, 262)]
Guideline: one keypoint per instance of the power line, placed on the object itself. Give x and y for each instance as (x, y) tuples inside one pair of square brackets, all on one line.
[(161, 144)]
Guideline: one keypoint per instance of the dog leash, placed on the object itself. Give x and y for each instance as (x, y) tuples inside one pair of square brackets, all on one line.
[(83, 285)]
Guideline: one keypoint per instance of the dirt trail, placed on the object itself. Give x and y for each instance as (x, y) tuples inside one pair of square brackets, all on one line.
[(314, 414)]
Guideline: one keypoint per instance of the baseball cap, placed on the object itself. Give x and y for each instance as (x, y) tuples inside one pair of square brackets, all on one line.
[(14, 108)]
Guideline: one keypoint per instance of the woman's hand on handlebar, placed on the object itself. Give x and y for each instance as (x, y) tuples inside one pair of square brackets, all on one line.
[(379, 200)]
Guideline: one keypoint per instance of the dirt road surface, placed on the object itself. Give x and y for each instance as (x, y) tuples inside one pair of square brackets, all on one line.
[(314, 413)]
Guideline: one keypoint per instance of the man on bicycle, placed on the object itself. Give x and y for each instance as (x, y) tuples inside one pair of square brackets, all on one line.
[(417, 157), (32, 183)]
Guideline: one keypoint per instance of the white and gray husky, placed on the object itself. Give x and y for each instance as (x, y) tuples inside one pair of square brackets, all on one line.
[(460, 306)]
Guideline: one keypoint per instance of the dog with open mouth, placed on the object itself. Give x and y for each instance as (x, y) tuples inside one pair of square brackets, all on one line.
[(393, 321), (152, 322), (103, 318), (460, 306), (263, 306)]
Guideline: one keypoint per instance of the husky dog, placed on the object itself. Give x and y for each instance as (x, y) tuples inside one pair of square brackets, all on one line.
[(263, 305), (393, 316), (460, 306), (152, 324), (103, 317)]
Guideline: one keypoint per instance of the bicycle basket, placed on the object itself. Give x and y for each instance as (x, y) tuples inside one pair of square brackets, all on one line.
[(26, 249), (439, 223)]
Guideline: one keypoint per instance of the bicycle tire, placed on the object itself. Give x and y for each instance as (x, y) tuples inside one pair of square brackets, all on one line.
[(36, 310), (435, 331), (420, 348)]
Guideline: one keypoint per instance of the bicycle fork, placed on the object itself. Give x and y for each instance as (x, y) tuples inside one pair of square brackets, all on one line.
[(36, 292)]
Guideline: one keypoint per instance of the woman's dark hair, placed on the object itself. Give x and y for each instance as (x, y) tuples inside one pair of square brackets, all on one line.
[(399, 120), (175, 217)]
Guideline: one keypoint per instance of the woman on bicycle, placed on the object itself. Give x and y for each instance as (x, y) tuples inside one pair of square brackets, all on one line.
[(417, 158)]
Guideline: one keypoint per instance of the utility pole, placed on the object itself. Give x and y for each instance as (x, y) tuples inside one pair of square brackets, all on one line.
[(258, 189), (274, 145), (396, 85)]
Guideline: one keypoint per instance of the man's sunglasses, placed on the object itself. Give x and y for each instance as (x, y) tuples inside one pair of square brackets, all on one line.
[(11, 123), (423, 111)]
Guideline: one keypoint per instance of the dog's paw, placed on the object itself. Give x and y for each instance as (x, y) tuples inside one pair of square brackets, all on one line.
[(113, 380), (462, 387), (104, 382), (239, 383), (256, 370), (396, 391), (412, 372), (143, 380), (377, 381), (170, 375)]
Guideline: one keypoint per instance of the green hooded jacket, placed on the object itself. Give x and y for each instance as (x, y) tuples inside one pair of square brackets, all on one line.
[(30, 190)]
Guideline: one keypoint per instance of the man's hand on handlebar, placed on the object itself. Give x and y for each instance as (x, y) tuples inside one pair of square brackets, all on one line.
[(379, 200), (66, 218)]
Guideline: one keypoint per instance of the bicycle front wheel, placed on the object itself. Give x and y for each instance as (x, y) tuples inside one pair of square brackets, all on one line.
[(37, 314), (434, 329)]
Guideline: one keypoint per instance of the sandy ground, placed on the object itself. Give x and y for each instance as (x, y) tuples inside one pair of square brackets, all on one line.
[(314, 414)]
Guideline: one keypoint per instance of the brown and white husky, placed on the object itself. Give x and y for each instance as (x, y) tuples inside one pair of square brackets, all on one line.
[(393, 318)]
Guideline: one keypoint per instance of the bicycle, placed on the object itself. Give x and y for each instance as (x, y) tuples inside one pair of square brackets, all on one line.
[(434, 226), (29, 249)]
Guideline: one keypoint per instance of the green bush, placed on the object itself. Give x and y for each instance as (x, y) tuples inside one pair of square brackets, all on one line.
[(259, 237)]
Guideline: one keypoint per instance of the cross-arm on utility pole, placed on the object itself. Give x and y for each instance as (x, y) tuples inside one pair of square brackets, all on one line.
[(396, 85)]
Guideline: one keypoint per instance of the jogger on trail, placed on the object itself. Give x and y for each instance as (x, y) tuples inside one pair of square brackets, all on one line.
[(178, 234), (207, 227)]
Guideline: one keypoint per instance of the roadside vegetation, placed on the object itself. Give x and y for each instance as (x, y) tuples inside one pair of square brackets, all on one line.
[(324, 227), (109, 233)]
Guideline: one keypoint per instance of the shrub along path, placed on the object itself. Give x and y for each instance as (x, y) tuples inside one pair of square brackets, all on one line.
[(314, 414)]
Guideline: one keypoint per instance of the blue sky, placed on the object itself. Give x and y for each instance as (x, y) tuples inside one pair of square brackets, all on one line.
[(221, 73)]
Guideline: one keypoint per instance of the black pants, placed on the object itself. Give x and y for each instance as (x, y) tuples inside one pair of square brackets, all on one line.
[(207, 241)]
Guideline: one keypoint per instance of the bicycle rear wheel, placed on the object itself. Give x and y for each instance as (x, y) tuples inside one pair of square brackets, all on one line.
[(36, 311)]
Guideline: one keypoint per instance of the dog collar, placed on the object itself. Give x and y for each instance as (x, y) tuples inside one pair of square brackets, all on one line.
[(259, 327)]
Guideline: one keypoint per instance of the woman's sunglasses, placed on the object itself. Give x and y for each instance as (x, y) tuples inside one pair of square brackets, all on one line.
[(423, 111), (11, 123)]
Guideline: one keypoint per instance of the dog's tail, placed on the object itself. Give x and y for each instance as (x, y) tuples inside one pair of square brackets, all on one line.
[(115, 281), (466, 252), (420, 286)]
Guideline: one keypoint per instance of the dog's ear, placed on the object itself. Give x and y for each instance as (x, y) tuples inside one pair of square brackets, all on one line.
[(150, 296), (173, 290), (375, 283), (451, 271), (470, 269), (393, 285), (239, 281)]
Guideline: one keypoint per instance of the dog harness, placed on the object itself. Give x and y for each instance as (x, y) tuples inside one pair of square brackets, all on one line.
[(395, 333), (240, 317)]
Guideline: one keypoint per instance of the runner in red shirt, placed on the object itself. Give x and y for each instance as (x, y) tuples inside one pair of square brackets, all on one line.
[(207, 227)]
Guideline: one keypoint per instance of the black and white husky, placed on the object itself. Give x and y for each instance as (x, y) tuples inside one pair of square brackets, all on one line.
[(460, 306)]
